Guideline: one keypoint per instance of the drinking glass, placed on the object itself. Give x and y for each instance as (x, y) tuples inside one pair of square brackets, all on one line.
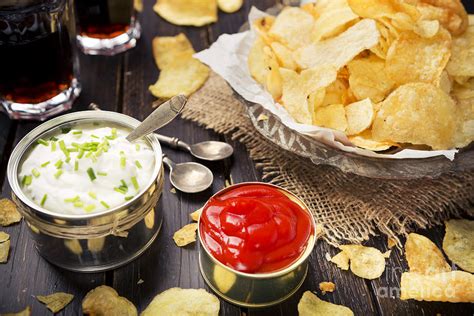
[(39, 68), (107, 27)]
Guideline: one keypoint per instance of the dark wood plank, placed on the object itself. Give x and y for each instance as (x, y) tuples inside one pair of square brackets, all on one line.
[(26, 274)]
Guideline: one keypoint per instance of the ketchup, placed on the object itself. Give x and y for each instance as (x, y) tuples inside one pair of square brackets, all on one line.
[(255, 228)]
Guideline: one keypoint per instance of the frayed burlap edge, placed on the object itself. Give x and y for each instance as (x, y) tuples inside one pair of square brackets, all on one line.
[(350, 208)]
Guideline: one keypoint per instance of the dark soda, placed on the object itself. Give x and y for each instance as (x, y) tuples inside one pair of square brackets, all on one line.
[(36, 61)]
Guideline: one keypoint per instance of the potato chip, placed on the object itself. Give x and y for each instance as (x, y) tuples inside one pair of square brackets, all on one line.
[(311, 305), (196, 214), (417, 113), (391, 243), (8, 213), (339, 50), (183, 77), (454, 286), (167, 48), (230, 6), (257, 62), (185, 235), (359, 116), (284, 56), (423, 256), (336, 93), (292, 26), (297, 88), (365, 262), (262, 27), (341, 260), (56, 302), (104, 300), (387, 254), (4, 246), (368, 79), (382, 8), (176, 301), (187, 12), (326, 25), (331, 116), (327, 287), (450, 13), (25, 312), (458, 243), (138, 5), (461, 63), (412, 58), (445, 83), (366, 141), (273, 82), (426, 28)]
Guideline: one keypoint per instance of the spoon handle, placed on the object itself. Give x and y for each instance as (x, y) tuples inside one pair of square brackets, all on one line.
[(173, 142), (168, 162)]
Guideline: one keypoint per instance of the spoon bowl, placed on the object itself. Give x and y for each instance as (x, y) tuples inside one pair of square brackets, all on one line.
[(211, 150), (189, 177)]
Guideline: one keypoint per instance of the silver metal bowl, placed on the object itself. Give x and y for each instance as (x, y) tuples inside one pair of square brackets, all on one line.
[(98, 241), (258, 289)]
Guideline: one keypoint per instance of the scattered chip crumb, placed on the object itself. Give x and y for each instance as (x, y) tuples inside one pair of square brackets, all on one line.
[(262, 117), (8, 213), (4, 246), (25, 312), (327, 256), (140, 281), (319, 230), (185, 235), (391, 243), (56, 301), (387, 253), (173, 190), (341, 260), (327, 287), (195, 215)]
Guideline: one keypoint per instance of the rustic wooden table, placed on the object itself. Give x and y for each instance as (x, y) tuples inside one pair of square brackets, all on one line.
[(120, 83)]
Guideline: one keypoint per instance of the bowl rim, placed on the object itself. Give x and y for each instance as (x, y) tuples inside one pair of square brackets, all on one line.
[(29, 139), (266, 275)]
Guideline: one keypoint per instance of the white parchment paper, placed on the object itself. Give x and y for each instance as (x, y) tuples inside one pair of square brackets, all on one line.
[(228, 57)]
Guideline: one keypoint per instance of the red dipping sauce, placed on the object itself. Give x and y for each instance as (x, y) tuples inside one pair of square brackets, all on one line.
[(255, 228)]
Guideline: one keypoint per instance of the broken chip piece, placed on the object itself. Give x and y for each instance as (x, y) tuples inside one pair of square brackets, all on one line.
[(56, 302), (4, 246), (104, 300), (187, 12), (230, 6), (327, 287), (186, 235), (423, 256), (25, 312), (195, 215), (8, 213), (311, 305), (341, 260), (177, 301), (458, 243), (365, 262)]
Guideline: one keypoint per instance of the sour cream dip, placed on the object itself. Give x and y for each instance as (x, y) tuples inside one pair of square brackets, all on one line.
[(90, 168)]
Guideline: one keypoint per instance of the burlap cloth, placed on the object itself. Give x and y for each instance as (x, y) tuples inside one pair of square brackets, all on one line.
[(351, 208)]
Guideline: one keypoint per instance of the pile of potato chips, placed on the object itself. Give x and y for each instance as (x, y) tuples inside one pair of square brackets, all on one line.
[(194, 12), (385, 72)]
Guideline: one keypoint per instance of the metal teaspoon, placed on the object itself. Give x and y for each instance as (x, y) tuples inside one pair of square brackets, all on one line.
[(208, 150), (189, 177)]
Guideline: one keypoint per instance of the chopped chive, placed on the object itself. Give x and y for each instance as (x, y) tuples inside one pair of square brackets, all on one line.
[(103, 174), (26, 180), (137, 147), (91, 174), (78, 204), (54, 139), (94, 136), (36, 173), (72, 200), (58, 174), (89, 154), (92, 195), (138, 164), (67, 159), (63, 148), (53, 146), (124, 184), (76, 165), (59, 164), (120, 190), (44, 164), (128, 198), (104, 204), (81, 153), (65, 130), (123, 162), (73, 150), (114, 131), (77, 133), (42, 142), (135, 183), (110, 137), (43, 200), (89, 207)]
